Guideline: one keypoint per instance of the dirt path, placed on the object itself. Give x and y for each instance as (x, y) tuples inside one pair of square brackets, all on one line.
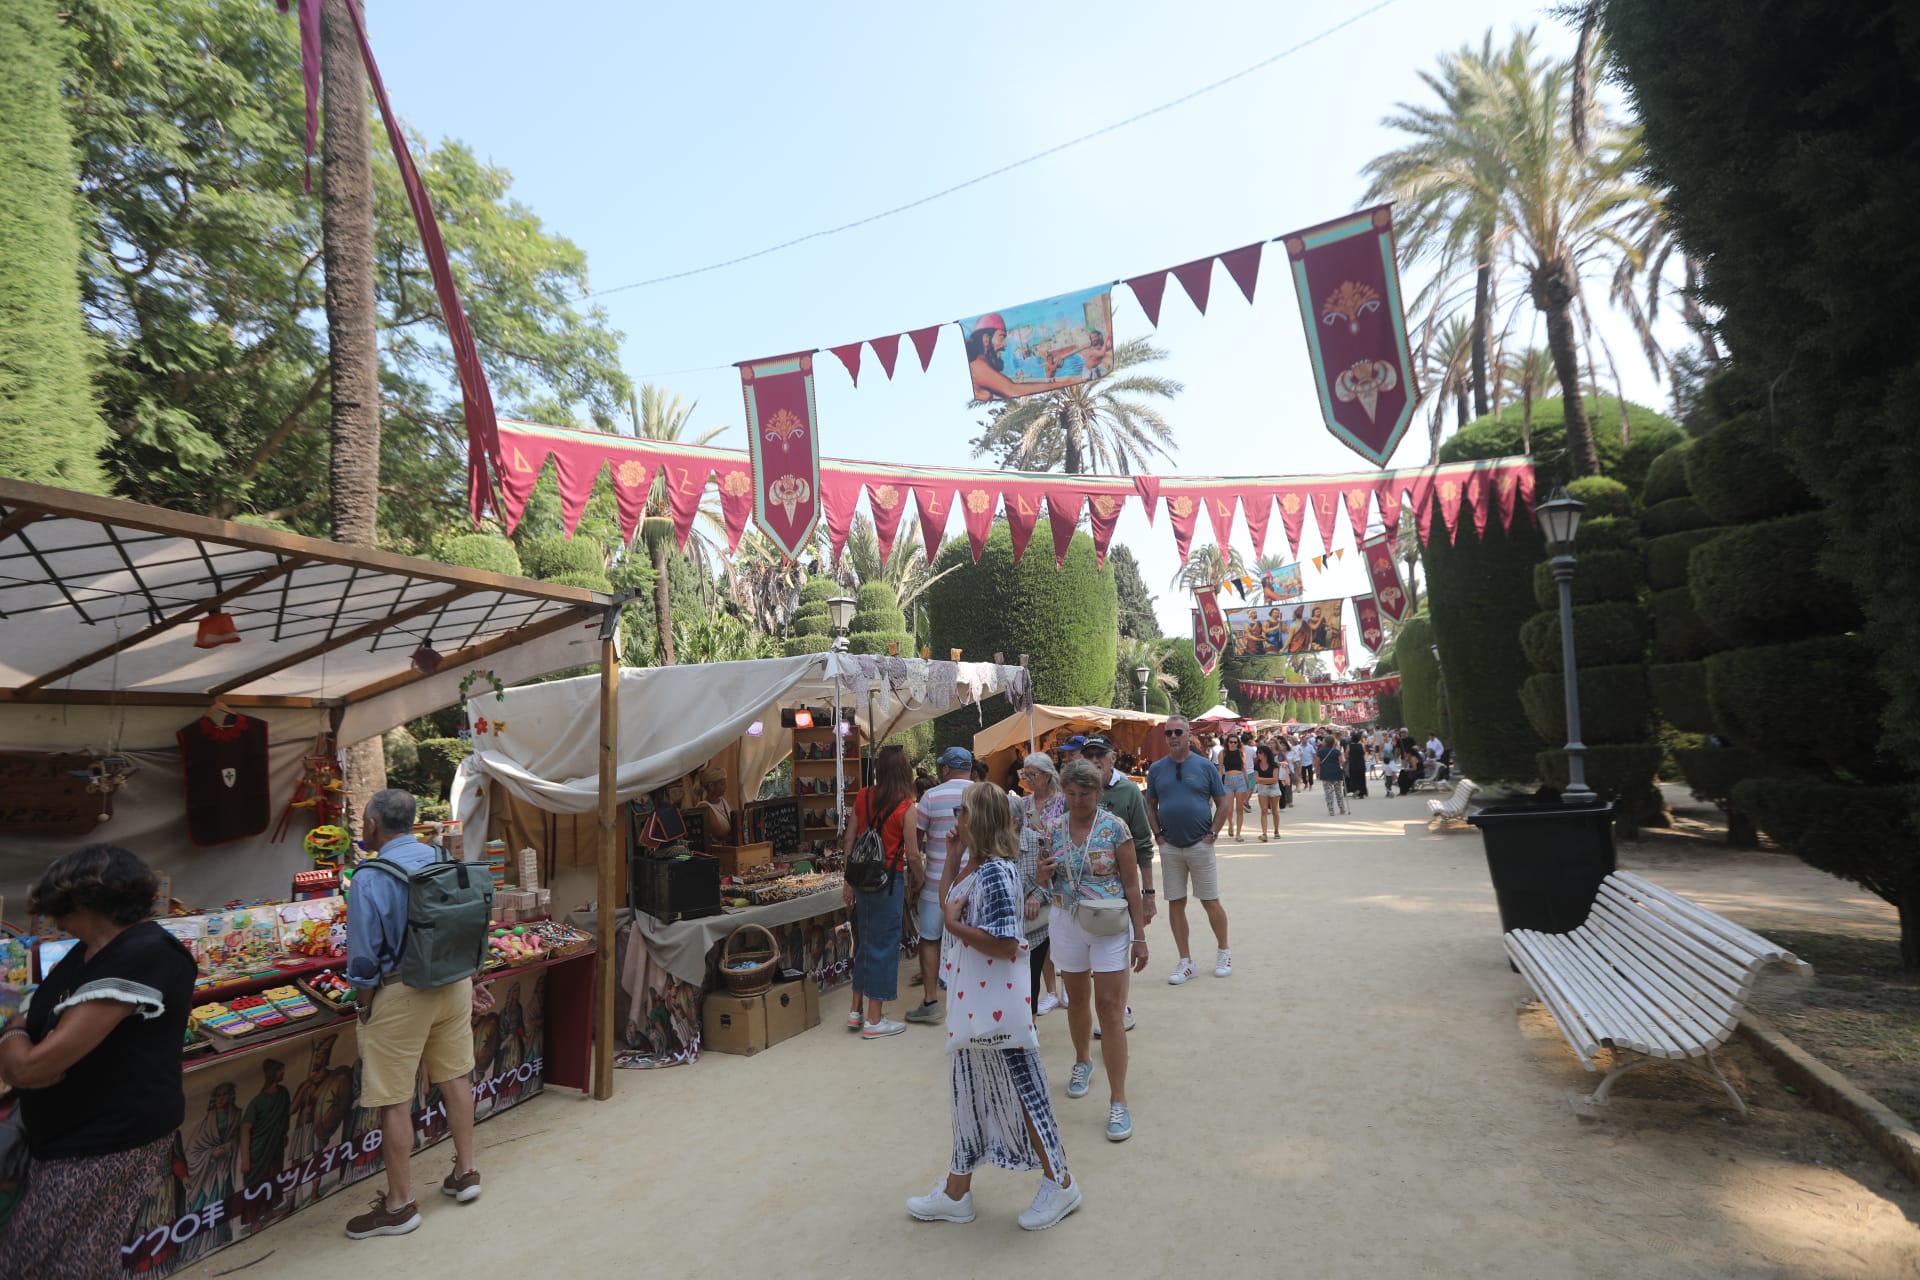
[(1359, 1099)]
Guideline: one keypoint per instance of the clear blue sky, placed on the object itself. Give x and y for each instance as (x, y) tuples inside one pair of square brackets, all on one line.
[(661, 138)]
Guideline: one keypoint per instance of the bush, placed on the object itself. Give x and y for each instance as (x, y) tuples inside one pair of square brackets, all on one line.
[(875, 597), (1600, 576), (1761, 583), (1737, 475), (1675, 515), (595, 581), (549, 556), (1713, 772), (1603, 495), (1679, 632), (438, 759), (881, 643), (1065, 619), (1624, 771), (1652, 433), (818, 590), (1859, 833), (1607, 533), (482, 551), (1667, 477), (1422, 709), (1680, 692), (801, 645), (1604, 635), (1761, 695), (1613, 705), (1198, 691), (1667, 557)]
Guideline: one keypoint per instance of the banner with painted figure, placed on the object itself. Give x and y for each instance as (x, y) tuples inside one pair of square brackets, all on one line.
[(1304, 626), (1349, 291), (1282, 584), (1040, 346), (782, 429)]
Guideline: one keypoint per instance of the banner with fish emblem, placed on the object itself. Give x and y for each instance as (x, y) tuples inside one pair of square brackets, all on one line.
[(784, 441), (1205, 651), (1366, 610), (1349, 291), (1040, 346), (1383, 571)]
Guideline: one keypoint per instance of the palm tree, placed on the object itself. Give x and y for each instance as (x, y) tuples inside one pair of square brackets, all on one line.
[(1206, 565), (1534, 377), (1100, 425), (655, 417), (1446, 349), (1134, 654), (765, 583), (905, 568)]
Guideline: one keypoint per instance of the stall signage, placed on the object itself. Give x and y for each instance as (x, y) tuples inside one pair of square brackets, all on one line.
[(46, 794)]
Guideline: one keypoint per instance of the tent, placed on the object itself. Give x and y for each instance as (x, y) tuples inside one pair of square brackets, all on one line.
[(1002, 744), (1221, 717)]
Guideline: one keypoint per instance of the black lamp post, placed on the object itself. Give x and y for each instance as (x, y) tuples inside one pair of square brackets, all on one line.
[(1560, 519), (1141, 673)]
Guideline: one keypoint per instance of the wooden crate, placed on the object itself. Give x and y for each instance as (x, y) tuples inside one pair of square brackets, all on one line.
[(737, 858)]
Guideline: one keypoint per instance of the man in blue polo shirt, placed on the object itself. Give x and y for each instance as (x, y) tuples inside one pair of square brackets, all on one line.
[(1187, 806)]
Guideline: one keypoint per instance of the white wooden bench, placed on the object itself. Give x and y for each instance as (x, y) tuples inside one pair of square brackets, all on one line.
[(1454, 808), (1649, 973), (1432, 775)]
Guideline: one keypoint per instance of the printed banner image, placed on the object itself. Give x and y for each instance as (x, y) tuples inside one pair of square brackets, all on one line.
[(1307, 626), (1282, 584), (1040, 346)]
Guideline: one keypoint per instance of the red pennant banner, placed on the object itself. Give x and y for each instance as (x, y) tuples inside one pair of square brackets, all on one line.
[(888, 351), (1220, 503), (1452, 492), (1244, 266), (888, 502), (1366, 611), (1383, 571), (976, 508), (1319, 691), (1257, 506), (1358, 497), (1293, 511), (783, 440), (923, 342), (1022, 499), (736, 501), (933, 503), (1103, 515), (1477, 495), (1204, 650), (1148, 291), (1326, 510), (1349, 291), (1216, 622), (1183, 508), (1063, 513), (849, 354), (839, 496), (686, 482), (1196, 278), (632, 481), (1340, 661), (1148, 487)]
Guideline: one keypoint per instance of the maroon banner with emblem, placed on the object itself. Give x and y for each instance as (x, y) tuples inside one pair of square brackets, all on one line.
[(1383, 571), (783, 439), (1349, 291), (1204, 650), (1367, 610)]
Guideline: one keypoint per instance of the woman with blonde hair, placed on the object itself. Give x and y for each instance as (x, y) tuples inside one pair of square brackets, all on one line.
[(1036, 812), (1002, 1112)]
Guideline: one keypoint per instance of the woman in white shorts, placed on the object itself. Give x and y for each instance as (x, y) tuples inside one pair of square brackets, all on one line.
[(1089, 856)]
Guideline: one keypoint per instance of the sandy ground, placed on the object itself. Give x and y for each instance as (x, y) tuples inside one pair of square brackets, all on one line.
[(1359, 1099)]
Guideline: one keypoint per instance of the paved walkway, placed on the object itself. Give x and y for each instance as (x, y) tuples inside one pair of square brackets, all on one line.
[(1359, 1099)]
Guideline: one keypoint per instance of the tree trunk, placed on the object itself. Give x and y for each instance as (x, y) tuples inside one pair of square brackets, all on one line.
[(1076, 430), (1526, 418), (1482, 320), (662, 599), (1552, 288), (1460, 406), (353, 352)]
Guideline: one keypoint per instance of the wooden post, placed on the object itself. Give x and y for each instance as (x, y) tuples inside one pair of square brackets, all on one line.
[(1033, 742), (611, 848)]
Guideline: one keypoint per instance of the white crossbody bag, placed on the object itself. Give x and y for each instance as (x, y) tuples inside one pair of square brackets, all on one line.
[(1099, 917)]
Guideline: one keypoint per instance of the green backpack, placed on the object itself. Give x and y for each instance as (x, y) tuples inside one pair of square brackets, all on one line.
[(449, 912)]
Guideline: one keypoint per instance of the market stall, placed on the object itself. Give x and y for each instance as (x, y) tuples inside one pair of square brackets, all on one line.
[(1135, 734), (179, 685)]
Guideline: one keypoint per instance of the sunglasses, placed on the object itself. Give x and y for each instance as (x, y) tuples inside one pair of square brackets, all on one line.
[(1176, 733)]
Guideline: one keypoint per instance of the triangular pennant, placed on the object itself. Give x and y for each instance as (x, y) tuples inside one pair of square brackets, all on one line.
[(850, 356), (1477, 487), (839, 496), (1148, 290), (1326, 509), (632, 479), (1256, 505), (578, 471), (887, 349), (736, 502), (1244, 266), (1220, 503), (1451, 492), (1103, 515), (1183, 509), (1358, 497), (1063, 513), (887, 501), (923, 340), (1021, 501), (1196, 278), (1505, 485), (686, 482), (1388, 497), (934, 505), (1149, 489), (1423, 502), (976, 508), (1293, 511), (1525, 496)]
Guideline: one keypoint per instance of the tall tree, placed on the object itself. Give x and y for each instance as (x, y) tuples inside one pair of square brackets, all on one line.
[(50, 430), (1138, 620), (658, 417), (1207, 564), (1109, 424), (904, 568)]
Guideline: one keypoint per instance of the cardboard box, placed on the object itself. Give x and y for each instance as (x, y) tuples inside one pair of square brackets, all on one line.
[(734, 1024), (786, 1011), (811, 990), (736, 858)]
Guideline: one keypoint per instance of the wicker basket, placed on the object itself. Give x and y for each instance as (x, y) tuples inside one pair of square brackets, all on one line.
[(749, 959)]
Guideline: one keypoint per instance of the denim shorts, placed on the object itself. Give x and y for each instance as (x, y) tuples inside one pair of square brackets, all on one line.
[(933, 921), (1236, 784)]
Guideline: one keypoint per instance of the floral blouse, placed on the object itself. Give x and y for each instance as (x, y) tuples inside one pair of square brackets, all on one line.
[(1090, 869)]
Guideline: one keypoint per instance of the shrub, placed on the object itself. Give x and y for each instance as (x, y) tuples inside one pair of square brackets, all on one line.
[(594, 581), (1680, 692), (1737, 475), (1675, 515), (1600, 576), (1713, 772), (1603, 495), (1422, 709), (1760, 583), (810, 625), (881, 642), (1680, 634), (1761, 694), (1604, 635), (818, 590), (874, 597), (1667, 557), (1667, 477), (1859, 833), (1198, 691), (1623, 770), (1652, 435), (1607, 533), (801, 645), (548, 556), (1613, 705), (438, 759), (482, 551)]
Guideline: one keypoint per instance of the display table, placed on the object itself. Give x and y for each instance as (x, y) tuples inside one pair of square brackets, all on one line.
[(273, 1123)]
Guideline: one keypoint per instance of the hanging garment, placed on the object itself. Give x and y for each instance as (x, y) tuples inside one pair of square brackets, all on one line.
[(226, 776)]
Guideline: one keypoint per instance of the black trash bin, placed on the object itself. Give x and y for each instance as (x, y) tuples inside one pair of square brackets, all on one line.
[(1547, 861)]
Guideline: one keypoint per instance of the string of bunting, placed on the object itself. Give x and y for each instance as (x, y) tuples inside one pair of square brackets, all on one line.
[(1319, 690)]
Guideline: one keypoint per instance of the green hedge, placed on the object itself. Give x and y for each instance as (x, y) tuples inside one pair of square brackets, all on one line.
[(1623, 770), (1667, 477), (800, 645), (482, 551), (1613, 705), (1652, 435), (1860, 833), (1667, 557), (812, 625), (1603, 495), (875, 596), (818, 590), (878, 642), (1713, 772), (1599, 576), (1680, 634), (1065, 619), (1604, 635), (1737, 475), (1760, 583), (1680, 692), (547, 556), (1421, 709), (1675, 515), (590, 580), (1762, 696), (1607, 533), (1198, 692)]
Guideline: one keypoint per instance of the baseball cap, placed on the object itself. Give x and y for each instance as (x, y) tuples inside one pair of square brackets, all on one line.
[(1075, 743), (1098, 742), (956, 758)]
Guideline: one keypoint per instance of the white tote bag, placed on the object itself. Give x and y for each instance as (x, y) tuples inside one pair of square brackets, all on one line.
[(989, 1000)]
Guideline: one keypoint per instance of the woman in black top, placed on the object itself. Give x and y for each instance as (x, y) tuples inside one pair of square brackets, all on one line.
[(1266, 788), (1356, 768), (98, 1068), (1233, 772)]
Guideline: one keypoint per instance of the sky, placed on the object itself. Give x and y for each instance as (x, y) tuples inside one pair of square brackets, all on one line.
[(664, 138)]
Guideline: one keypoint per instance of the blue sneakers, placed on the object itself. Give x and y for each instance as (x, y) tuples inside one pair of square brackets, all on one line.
[(1081, 1080), (1119, 1123)]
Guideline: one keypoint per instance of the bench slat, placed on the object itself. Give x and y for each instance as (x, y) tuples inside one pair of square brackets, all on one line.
[(1714, 966), (1686, 965), (1619, 1021), (1572, 1028), (1698, 1024), (1567, 982), (1644, 1008), (1716, 923)]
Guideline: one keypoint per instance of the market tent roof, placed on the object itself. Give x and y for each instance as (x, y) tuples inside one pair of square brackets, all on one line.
[(1222, 714), (100, 601), (1011, 734), (673, 719)]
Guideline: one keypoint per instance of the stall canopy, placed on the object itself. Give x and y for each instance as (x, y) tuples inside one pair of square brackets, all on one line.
[(1218, 718), (1003, 743), (674, 719)]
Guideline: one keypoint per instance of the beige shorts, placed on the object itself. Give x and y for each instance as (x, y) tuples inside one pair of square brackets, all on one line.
[(1195, 862), (410, 1028)]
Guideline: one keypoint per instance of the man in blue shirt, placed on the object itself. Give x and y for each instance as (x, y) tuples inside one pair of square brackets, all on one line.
[(401, 1027), (1187, 806)]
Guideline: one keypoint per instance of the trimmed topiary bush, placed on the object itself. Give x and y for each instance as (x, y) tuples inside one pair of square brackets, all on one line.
[(1680, 693), (1607, 533), (812, 625), (1761, 583), (1603, 495), (881, 642), (1675, 515), (482, 551), (1422, 709), (801, 645), (1737, 476), (1198, 692), (1667, 477), (875, 597), (1613, 704), (548, 556), (1604, 635), (1862, 834), (1599, 576), (589, 581), (1761, 696), (1680, 634), (1667, 557), (1623, 770)]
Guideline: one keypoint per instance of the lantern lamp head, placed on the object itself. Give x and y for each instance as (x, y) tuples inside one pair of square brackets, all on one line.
[(1560, 519)]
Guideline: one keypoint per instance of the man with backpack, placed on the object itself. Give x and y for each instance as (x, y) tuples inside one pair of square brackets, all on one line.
[(416, 935)]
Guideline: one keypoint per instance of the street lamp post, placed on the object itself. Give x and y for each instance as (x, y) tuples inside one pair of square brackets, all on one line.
[(1560, 518), (1141, 673), (840, 611)]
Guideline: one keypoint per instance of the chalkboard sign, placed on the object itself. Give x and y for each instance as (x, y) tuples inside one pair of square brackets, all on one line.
[(47, 795), (777, 821), (696, 820)]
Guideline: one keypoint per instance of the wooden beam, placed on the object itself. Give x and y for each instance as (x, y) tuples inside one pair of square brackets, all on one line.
[(153, 698), (20, 519), (354, 636), (611, 849), (474, 653), (208, 605)]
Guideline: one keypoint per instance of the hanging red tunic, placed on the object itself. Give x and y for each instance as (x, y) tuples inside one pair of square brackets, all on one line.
[(226, 778)]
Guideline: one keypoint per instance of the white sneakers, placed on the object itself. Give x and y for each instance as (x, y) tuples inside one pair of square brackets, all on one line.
[(1223, 963), (1050, 1204), (884, 1027), (938, 1206), (1048, 1003), (1182, 972)]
